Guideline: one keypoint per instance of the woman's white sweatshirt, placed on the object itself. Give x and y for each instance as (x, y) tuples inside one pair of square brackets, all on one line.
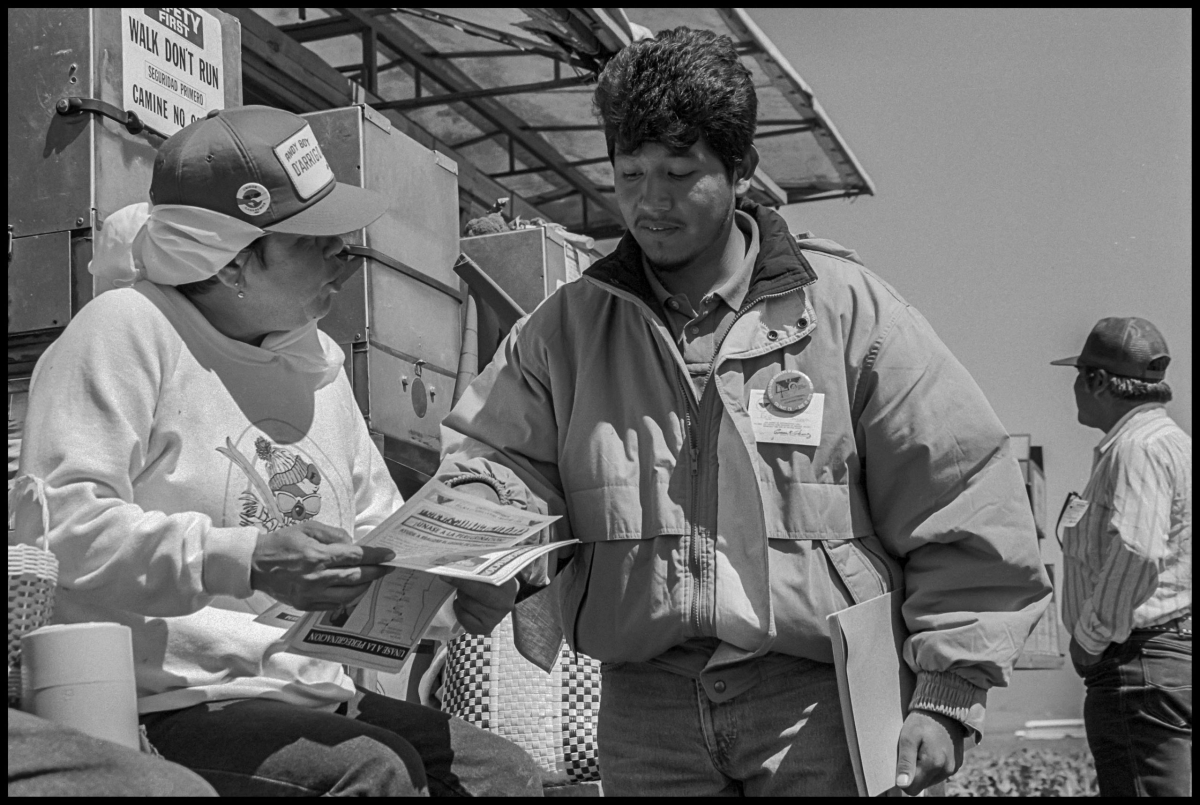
[(165, 447)]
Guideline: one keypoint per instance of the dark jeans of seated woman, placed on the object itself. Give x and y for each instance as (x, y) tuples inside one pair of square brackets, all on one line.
[(372, 746)]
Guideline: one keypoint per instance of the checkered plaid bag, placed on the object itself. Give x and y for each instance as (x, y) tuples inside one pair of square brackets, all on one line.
[(552, 716)]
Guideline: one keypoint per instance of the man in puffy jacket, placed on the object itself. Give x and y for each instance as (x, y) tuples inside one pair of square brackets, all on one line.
[(746, 432)]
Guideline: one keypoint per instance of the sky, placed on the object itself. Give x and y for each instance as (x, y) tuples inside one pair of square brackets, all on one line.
[(1033, 175)]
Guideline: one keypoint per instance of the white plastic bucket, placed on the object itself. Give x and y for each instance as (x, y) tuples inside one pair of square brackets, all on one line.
[(80, 675)]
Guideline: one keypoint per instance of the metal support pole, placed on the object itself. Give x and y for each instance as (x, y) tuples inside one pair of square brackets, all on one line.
[(370, 71)]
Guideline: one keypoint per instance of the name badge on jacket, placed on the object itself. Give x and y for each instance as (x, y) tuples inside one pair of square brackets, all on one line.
[(774, 426)]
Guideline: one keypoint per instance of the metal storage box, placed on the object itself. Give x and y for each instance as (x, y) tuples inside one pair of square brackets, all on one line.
[(398, 320), (529, 264), (66, 172), (1044, 647)]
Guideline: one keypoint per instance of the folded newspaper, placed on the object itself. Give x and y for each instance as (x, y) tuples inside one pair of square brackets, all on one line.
[(439, 533)]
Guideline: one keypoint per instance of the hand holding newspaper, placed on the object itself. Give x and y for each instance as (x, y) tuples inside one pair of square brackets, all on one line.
[(439, 532)]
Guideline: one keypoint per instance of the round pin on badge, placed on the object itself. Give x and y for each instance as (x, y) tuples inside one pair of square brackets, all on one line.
[(253, 198), (790, 391)]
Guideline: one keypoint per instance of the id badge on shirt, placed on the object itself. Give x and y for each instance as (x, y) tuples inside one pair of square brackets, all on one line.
[(775, 426), (1072, 512)]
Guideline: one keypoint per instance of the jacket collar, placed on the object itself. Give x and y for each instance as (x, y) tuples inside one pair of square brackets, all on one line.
[(780, 265)]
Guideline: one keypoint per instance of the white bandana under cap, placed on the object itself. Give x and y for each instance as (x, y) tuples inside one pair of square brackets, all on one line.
[(169, 244), (303, 349), (173, 244)]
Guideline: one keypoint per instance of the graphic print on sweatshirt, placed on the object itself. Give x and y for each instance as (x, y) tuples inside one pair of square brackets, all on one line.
[(284, 485)]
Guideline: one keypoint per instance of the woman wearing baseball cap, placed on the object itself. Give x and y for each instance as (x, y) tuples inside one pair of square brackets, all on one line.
[(202, 456)]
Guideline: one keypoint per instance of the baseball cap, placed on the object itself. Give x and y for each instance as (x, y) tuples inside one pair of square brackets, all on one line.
[(262, 166), (1130, 347)]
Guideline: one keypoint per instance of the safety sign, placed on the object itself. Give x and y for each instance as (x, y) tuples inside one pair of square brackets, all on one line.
[(172, 65)]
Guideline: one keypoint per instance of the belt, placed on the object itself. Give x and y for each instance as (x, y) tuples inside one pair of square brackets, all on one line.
[(1182, 625)]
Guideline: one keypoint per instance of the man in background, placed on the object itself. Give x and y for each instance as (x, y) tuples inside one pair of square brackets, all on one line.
[(1127, 557)]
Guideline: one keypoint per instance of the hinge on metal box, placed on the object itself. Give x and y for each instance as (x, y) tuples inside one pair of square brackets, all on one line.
[(445, 162), (376, 117)]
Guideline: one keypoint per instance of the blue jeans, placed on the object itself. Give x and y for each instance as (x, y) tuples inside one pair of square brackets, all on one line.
[(374, 746), (47, 760), (1138, 715), (659, 735)]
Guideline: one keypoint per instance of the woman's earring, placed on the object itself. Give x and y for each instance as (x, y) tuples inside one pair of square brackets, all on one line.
[(241, 293)]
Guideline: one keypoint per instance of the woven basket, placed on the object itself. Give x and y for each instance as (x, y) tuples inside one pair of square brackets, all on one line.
[(32, 575), (551, 716)]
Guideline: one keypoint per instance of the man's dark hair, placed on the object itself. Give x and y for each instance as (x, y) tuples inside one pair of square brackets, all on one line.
[(1130, 389), (200, 287), (674, 88)]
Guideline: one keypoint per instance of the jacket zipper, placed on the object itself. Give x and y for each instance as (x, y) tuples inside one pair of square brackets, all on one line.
[(694, 549), (694, 456)]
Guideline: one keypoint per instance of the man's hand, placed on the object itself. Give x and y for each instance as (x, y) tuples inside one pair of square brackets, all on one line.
[(312, 566), (930, 750), (1081, 659), (479, 606)]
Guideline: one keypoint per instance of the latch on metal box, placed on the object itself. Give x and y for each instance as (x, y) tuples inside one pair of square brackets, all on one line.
[(420, 398), (126, 117)]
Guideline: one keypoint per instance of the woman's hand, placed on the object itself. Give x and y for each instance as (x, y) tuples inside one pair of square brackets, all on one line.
[(312, 566)]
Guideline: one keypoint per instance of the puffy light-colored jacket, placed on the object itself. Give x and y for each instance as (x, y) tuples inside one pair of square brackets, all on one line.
[(587, 411)]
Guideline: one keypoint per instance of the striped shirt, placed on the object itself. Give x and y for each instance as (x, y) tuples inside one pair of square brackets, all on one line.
[(1128, 561)]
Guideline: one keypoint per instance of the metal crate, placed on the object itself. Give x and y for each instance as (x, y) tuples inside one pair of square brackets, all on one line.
[(67, 172), (529, 264), (399, 319)]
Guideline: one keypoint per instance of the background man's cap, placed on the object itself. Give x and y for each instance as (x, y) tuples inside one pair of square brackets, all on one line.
[(262, 166), (1130, 347)]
